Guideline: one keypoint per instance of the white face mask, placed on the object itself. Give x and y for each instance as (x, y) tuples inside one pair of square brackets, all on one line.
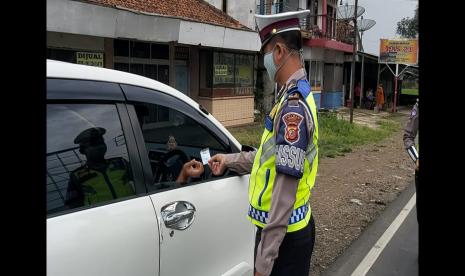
[(268, 61), (270, 66)]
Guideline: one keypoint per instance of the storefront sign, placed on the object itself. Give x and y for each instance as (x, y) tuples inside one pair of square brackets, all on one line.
[(87, 58), (221, 70), (181, 53), (398, 51)]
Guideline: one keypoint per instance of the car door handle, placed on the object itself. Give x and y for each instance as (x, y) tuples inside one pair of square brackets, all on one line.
[(178, 215)]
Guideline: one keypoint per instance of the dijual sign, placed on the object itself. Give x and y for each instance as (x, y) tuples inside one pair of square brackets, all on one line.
[(87, 58), (398, 51)]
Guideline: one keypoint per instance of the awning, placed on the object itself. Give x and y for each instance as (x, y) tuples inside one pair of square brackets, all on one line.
[(87, 19)]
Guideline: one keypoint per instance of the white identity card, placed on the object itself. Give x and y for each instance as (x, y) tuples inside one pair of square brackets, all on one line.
[(205, 154)]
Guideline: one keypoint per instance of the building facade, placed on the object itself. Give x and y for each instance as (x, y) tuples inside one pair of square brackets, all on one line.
[(195, 47), (326, 41)]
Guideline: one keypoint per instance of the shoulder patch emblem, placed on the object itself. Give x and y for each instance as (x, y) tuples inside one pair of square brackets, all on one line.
[(292, 121)]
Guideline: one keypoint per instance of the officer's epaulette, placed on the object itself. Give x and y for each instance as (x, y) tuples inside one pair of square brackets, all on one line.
[(293, 99), (300, 86)]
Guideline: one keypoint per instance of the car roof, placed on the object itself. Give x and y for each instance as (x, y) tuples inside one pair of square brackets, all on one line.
[(66, 70)]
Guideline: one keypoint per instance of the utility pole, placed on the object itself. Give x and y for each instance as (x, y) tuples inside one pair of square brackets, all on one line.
[(352, 71)]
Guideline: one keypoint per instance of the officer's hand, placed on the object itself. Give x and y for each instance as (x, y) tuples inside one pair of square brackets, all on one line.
[(217, 164), (418, 160)]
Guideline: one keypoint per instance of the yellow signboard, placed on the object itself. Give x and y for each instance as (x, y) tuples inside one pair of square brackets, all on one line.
[(398, 51), (87, 58), (244, 75), (221, 70)]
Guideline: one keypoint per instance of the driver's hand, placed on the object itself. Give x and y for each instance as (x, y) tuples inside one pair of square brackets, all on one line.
[(192, 168), (217, 164)]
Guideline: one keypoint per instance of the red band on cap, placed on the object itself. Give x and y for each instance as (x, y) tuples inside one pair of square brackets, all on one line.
[(292, 22)]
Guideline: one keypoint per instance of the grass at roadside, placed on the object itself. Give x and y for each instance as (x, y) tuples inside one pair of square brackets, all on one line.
[(249, 134), (336, 136), (407, 91)]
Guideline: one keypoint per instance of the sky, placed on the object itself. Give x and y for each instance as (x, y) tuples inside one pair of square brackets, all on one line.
[(386, 13)]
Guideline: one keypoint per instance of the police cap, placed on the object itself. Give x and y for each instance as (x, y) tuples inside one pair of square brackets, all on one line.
[(270, 25), (89, 134)]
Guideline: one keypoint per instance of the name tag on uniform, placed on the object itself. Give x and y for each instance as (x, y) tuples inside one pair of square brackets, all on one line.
[(205, 154)]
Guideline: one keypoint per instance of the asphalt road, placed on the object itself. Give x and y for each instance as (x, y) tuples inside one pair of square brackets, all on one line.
[(389, 246)]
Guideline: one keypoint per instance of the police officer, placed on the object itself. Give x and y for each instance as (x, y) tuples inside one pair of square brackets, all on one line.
[(99, 179), (410, 139), (283, 169)]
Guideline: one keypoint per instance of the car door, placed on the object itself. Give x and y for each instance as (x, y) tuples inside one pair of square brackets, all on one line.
[(203, 225), (90, 231)]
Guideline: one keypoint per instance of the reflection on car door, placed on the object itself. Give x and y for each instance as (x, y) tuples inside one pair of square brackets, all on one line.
[(106, 233)]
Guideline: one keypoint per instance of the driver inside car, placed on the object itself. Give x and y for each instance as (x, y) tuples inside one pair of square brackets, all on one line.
[(190, 169)]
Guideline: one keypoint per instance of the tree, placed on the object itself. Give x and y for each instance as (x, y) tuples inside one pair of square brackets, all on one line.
[(408, 27)]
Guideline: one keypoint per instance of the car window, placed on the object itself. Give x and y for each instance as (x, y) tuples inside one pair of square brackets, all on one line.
[(172, 138), (87, 158)]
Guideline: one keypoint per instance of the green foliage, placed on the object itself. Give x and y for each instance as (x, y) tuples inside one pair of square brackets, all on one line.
[(336, 136), (408, 27)]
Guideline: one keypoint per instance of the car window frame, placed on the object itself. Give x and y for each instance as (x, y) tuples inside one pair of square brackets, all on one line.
[(152, 96), (132, 149)]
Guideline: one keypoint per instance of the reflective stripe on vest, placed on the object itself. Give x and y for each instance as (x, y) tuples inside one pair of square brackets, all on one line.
[(297, 214)]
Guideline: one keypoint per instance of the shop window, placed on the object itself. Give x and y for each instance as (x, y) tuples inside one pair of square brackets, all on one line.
[(164, 74), (122, 67), (316, 74), (62, 55), (244, 70), (223, 71), (141, 58), (206, 76), (150, 71), (121, 48), (136, 69), (226, 74), (160, 51), (140, 49)]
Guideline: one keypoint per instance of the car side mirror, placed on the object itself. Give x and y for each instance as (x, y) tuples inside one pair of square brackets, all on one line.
[(248, 148)]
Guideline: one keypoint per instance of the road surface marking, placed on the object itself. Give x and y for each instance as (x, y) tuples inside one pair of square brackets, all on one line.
[(376, 250)]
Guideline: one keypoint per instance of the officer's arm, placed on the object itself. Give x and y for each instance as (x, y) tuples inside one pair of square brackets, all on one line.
[(241, 162), (410, 132), (285, 186)]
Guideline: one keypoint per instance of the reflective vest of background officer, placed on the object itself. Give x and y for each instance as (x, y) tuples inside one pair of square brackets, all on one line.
[(283, 169), (100, 179)]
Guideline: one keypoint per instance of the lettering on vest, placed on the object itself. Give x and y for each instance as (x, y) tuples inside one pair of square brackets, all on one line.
[(291, 157)]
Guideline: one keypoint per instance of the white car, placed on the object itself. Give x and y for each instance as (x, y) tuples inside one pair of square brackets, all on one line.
[(113, 206)]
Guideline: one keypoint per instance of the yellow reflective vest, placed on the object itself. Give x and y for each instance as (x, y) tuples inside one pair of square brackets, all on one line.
[(264, 168), (94, 186)]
